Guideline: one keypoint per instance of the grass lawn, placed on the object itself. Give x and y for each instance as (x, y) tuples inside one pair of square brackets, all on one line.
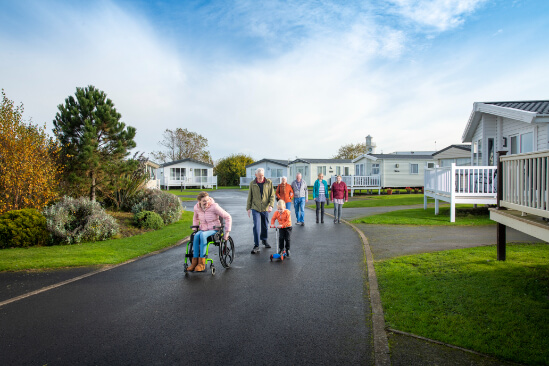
[(97, 253), (467, 298), (381, 200), (465, 216)]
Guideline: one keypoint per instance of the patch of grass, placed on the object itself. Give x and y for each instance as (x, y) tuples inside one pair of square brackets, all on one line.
[(387, 200), (97, 253), (465, 216), (381, 200), (127, 228), (467, 298)]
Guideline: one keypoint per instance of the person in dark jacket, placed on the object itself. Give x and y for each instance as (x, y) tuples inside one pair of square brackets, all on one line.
[(339, 194), (261, 198)]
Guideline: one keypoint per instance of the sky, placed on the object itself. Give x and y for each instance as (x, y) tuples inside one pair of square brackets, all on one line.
[(279, 79)]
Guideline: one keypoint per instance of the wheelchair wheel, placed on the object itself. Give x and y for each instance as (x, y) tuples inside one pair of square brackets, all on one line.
[(188, 256), (226, 252)]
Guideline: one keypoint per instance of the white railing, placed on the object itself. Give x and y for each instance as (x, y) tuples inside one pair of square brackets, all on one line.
[(366, 181), (360, 182), (245, 181), (208, 181), (460, 184), (465, 181), (526, 183)]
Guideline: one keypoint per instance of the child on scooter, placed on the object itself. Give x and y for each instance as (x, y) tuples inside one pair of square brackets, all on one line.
[(285, 224)]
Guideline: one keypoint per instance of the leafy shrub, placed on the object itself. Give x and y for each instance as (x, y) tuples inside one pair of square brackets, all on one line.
[(23, 228), (73, 220), (165, 204), (148, 220)]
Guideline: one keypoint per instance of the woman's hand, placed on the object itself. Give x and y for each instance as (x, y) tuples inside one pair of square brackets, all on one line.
[(227, 235)]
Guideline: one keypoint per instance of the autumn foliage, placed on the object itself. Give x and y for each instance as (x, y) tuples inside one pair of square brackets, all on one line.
[(28, 165)]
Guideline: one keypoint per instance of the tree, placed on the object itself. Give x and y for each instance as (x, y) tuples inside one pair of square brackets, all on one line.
[(230, 169), (351, 151), (183, 144), (92, 139), (29, 168), (126, 179)]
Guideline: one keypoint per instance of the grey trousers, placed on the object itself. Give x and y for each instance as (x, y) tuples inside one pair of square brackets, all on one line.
[(337, 211)]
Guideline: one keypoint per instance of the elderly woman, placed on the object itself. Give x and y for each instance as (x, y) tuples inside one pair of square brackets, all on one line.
[(320, 195), (339, 194), (206, 216), (285, 192)]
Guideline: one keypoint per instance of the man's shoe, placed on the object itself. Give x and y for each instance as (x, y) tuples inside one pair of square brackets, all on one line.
[(255, 250), (265, 243), (303, 224), (335, 221)]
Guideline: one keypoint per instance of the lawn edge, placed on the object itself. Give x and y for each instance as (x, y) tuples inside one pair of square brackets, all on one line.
[(103, 268)]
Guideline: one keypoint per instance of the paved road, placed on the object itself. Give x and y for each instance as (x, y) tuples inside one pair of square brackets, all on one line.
[(311, 309)]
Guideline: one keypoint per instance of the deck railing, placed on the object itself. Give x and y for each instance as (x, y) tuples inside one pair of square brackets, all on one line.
[(526, 183), (465, 181), (367, 181), (199, 181), (460, 184)]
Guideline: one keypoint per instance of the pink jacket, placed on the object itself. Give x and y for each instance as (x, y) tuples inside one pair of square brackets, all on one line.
[(209, 217)]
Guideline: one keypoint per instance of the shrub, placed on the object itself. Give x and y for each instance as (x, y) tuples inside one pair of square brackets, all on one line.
[(148, 220), (75, 220), (23, 228), (165, 204)]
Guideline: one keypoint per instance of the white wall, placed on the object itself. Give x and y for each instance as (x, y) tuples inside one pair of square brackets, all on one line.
[(269, 168), (402, 177)]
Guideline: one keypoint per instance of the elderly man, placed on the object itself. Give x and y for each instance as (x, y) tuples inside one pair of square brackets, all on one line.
[(261, 198), (301, 195)]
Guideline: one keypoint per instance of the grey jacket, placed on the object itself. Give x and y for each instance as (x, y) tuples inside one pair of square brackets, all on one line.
[(303, 192)]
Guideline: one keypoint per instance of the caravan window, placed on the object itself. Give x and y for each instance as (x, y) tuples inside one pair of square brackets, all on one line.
[(177, 173), (375, 169), (338, 170), (414, 168), (527, 142), (321, 170)]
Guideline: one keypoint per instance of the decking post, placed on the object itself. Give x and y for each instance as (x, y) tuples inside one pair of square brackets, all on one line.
[(453, 193), (502, 240), (436, 206), (424, 201), (501, 229)]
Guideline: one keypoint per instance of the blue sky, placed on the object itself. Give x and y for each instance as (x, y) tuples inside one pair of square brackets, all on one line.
[(279, 79)]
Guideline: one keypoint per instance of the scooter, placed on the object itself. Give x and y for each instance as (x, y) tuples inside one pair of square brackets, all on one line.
[(278, 255)]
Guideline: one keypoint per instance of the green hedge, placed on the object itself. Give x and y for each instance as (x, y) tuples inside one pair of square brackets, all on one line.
[(23, 228)]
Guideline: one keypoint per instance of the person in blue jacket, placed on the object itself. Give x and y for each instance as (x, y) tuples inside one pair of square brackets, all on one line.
[(321, 196)]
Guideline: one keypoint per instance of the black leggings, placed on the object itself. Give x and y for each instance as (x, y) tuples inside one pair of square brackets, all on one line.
[(320, 207), (285, 234)]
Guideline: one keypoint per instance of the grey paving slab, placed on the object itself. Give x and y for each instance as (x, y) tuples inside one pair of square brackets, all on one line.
[(310, 309)]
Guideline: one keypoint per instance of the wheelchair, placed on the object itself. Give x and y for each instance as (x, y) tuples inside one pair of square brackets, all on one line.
[(226, 249)]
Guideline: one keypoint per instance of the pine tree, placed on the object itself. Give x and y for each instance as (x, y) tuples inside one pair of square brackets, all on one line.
[(92, 139)]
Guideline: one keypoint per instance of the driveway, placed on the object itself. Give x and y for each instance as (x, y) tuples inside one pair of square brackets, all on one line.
[(310, 309)]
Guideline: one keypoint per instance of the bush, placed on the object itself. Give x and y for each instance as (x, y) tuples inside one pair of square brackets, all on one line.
[(23, 228), (148, 220), (165, 204), (75, 220)]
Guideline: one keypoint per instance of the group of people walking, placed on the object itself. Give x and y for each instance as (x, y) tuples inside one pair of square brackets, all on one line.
[(261, 201)]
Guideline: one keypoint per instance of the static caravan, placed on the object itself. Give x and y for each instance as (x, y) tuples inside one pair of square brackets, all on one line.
[(515, 127), (453, 154), (186, 173), (395, 170), (275, 169), (310, 168), (152, 171)]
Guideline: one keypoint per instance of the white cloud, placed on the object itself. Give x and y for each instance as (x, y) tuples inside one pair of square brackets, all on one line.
[(440, 15)]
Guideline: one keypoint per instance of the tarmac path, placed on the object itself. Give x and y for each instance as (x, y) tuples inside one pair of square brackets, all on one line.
[(310, 309)]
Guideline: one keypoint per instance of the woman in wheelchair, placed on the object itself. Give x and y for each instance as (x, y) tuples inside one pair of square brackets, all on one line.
[(206, 218)]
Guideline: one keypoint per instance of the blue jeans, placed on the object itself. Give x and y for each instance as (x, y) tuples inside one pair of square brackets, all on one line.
[(288, 205), (200, 242), (261, 223), (299, 206)]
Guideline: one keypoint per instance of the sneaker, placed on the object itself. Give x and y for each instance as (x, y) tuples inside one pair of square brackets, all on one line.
[(255, 250), (339, 221), (335, 221), (287, 252), (302, 224), (265, 243)]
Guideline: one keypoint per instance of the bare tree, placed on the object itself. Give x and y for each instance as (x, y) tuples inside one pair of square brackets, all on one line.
[(182, 144)]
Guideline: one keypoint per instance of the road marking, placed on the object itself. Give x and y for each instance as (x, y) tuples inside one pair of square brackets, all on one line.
[(106, 268)]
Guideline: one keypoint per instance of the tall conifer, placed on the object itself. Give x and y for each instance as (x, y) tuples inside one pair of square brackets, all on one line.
[(92, 137)]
